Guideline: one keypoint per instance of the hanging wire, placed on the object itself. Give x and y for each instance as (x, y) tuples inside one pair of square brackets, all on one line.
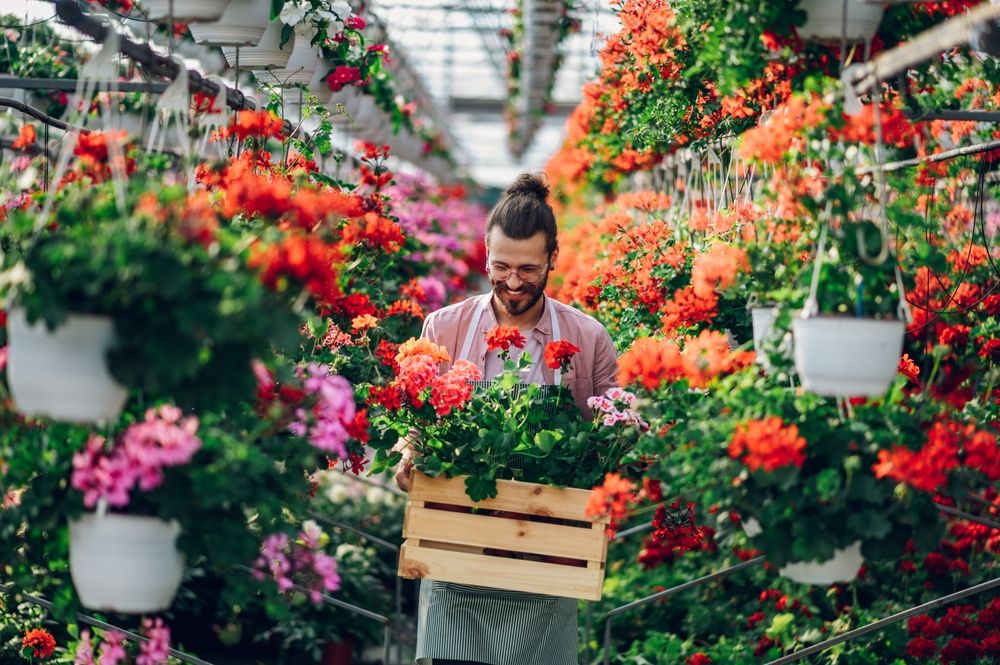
[(6, 26)]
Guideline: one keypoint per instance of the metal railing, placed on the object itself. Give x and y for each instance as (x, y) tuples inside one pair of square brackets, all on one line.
[(103, 625)]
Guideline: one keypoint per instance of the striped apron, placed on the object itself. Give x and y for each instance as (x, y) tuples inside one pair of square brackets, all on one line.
[(461, 622)]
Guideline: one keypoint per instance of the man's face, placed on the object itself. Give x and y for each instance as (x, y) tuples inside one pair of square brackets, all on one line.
[(518, 270)]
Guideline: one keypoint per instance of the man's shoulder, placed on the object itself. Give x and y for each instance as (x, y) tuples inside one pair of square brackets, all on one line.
[(578, 318), (453, 313)]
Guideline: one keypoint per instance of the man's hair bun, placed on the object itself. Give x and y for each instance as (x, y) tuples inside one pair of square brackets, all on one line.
[(529, 184)]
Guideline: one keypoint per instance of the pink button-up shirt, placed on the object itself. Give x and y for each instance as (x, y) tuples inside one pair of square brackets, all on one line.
[(592, 371)]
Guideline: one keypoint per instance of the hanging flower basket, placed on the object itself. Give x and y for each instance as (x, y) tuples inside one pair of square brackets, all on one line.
[(125, 563), (765, 334), (846, 357), (318, 85), (63, 374), (302, 63), (267, 54), (184, 11), (242, 24), (825, 20), (843, 567)]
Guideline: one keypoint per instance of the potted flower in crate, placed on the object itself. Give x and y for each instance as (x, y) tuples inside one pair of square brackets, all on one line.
[(504, 448), (150, 292)]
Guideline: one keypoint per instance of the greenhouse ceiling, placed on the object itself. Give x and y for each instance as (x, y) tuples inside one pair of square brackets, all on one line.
[(457, 49)]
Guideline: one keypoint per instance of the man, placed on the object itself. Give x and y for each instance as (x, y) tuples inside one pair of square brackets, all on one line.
[(463, 625)]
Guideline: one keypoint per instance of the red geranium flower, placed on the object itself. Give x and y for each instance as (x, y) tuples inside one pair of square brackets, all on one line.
[(503, 337), (558, 354), (40, 642)]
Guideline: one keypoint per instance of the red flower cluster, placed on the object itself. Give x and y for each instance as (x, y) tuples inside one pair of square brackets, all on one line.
[(768, 444), (972, 633), (308, 261), (342, 76), (949, 445), (675, 529), (40, 642), (254, 124), (453, 389), (376, 231), (558, 354), (501, 338)]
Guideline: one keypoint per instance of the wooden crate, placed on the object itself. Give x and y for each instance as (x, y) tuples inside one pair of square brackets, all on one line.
[(447, 544)]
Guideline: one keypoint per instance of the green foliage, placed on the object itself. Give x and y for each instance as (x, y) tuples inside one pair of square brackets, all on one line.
[(186, 307)]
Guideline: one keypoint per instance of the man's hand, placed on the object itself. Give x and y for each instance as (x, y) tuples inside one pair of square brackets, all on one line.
[(404, 474)]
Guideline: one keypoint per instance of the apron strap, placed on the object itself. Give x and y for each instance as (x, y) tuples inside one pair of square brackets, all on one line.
[(470, 335), (556, 336)]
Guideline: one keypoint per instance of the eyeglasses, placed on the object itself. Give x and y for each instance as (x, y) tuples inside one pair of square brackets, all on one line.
[(529, 273)]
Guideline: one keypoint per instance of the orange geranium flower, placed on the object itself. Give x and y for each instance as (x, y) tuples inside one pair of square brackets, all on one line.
[(708, 355), (364, 322), (501, 338), (613, 499), (768, 444), (717, 268), (650, 361), (25, 138), (419, 346)]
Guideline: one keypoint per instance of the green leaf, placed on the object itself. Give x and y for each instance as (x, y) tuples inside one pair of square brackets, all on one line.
[(479, 488), (780, 624)]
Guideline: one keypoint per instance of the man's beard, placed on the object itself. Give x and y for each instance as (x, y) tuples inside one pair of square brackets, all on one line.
[(532, 292)]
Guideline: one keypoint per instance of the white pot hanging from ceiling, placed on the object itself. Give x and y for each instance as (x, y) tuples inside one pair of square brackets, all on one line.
[(63, 373), (242, 24), (302, 63), (318, 85), (183, 11), (267, 54), (766, 336), (125, 563), (825, 19), (840, 356), (843, 566)]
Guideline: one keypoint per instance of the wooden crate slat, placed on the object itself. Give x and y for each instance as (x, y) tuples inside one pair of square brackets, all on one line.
[(499, 573), (513, 496), (505, 534)]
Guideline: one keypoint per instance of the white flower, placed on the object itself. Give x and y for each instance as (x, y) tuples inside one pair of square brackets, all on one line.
[(376, 495), (337, 494), (347, 551), (292, 13), (341, 9)]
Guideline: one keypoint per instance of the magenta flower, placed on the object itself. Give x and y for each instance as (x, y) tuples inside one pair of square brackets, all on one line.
[(163, 439), (326, 423), (156, 650)]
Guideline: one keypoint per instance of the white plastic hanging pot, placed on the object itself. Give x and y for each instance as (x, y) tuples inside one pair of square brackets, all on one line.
[(63, 374), (845, 357), (766, 335), (302, 63), (184, 11), (242, 24), (125, 563), (843, 567), (318, 85), (825, 19), (266, 54)]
